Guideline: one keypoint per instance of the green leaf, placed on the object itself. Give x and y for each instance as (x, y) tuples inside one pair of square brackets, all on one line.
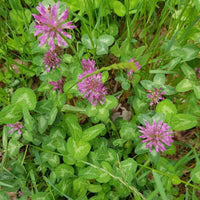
[(92, 132), (184, 86), (54, 75), (181, 122), (42, 123), (128, 131), (125, 85), (79, 149), (128, 168), (103, 176), (28, 120), (102, 48), (53, 114), (169, 90), (24, 97), (13, 147), (188, 71), (38, 60), (63, 171), (148, 85), (119, 8), (103, 42), (172, 64), (89, 173), (80, 187), (27, 135), (197, 91), (159, 80), (110, 102), (10, 114), (74, 128), (139, 105), (53, 160), (141, 148), (49, 144), (87, 41), (154, 156), (94, 188), (91, 110), (57, 132), (61, 145), (167, 107), (189, 52), (195, 175), (106, 39)]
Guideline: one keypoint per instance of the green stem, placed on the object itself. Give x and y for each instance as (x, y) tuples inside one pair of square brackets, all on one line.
[(128, 65)]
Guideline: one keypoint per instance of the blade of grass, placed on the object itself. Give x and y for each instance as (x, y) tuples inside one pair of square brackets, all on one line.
[(159, 186), (49, 182)]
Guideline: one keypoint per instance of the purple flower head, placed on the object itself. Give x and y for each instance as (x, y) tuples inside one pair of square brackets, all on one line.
[(197, 70), (92, 87), (51, 26), (156, 135), (155, 96), (16, 127), (58, 85), (88, 65), (130, 72), (51, 61)]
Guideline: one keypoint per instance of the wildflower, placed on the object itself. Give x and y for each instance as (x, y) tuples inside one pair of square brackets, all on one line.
[(92, 87), (197, 70), (51, 61), (130, 72), (155, 96), (51, 26), (58, 85), (16, 127), (156, 135), (88, 65)]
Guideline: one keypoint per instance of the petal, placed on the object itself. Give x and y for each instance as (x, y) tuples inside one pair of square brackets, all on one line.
[(64, 15), (41, 9), (61, 41), (43, 39), (54, 11)]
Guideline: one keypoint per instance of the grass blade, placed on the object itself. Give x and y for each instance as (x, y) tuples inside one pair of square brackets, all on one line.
[(160, 186)]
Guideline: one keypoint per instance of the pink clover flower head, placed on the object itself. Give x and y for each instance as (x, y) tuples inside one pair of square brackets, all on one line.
[(130, 72), (155, 96), (58, 85), (156, 135), (16, 127), (88, 65), (197, 70), (51, 26), (92, 87), (51, 61)]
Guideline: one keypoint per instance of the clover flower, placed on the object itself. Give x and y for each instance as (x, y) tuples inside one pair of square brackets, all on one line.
[(88, 65), (156, 135), (58, 85), (92, 87), (155, 96), (51, 26), (16, 127), (197, 70), (130, 72), (51, 61)]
